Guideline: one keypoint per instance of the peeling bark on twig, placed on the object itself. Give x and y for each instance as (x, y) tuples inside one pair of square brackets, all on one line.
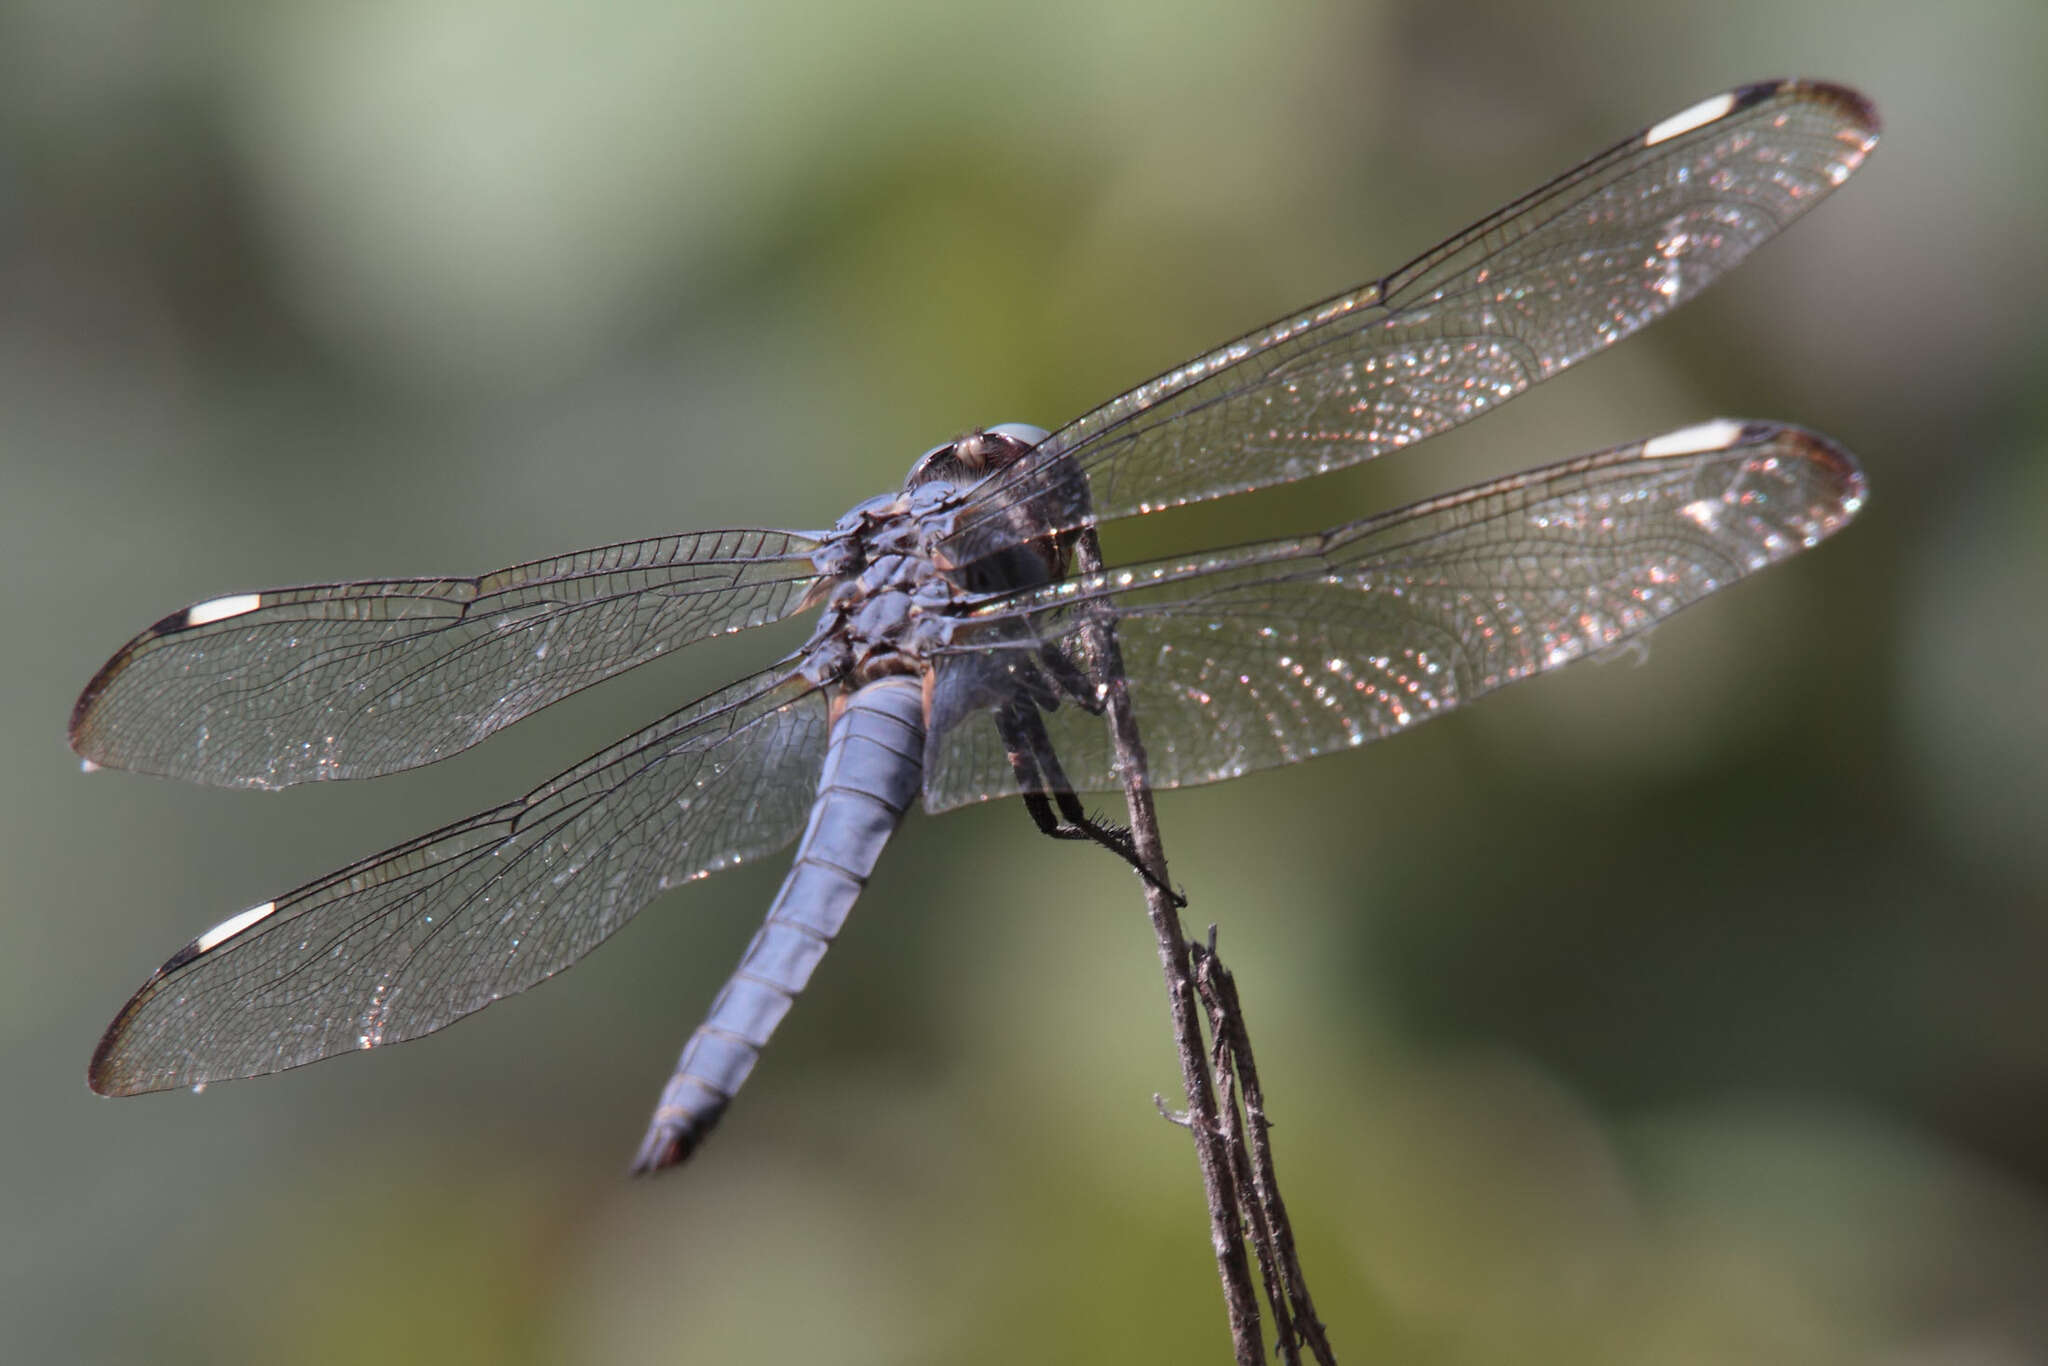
[(1258, 1186)]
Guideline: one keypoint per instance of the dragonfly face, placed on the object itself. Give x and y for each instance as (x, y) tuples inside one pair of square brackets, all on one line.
[(953, 655)]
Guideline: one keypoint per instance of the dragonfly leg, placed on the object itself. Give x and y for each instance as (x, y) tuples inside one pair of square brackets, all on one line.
[(1044, 787), (1071, 678)]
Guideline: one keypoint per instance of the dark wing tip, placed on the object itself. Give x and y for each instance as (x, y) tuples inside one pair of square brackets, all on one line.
[(1854, 106), (1850, 104), (1838, 469), (80, 730), (78, 734), (110, 1073), (106, 1074), (85, 742), (99, 1073), (1831, 480)]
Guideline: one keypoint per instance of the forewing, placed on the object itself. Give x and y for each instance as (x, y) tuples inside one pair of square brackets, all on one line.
[(1565, 271), (352, 680), (1272, 653), (405, 942)]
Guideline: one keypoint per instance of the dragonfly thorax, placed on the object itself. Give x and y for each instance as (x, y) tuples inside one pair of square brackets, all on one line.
[(890, 597), (894, 594)]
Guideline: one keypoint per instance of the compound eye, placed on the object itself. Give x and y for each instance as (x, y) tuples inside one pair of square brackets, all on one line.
[(921, 468), (975, 454), (1023, 433)]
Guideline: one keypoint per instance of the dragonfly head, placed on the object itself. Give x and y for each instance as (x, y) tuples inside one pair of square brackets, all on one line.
[(968, 459)]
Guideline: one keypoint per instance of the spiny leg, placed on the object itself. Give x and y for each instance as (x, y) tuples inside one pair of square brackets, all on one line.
[(1044, 784), (1071, 680)]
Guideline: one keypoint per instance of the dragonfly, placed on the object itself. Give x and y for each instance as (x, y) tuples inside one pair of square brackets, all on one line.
[(959, 653)]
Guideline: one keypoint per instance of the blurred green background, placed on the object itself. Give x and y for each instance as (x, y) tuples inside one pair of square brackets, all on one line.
[(1689, 1011)]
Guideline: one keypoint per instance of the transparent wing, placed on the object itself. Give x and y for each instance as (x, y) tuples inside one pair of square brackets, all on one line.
[(1273, 653), (353, 680), (406, 941), (1553, 277)]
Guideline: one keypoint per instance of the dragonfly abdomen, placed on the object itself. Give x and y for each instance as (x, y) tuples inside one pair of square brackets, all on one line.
[(874, 767)]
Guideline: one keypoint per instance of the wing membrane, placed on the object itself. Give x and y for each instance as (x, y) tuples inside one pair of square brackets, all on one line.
[(1273, 653), (1553, 277), (353, 680), (404, 942)]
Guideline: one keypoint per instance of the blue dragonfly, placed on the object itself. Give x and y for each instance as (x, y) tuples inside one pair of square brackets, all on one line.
[(957, 652)]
